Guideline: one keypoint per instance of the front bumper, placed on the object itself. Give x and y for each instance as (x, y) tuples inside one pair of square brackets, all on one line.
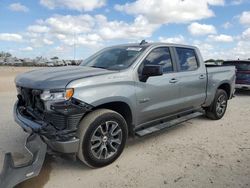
[(63, 141), (12, 175)]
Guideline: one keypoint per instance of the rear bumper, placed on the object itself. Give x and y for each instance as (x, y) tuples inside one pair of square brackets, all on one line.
[(65, 146)]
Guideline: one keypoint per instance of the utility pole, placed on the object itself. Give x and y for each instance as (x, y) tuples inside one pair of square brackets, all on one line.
[(74, 46)]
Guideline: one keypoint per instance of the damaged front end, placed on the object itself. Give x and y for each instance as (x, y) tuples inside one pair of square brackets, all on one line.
[(55, 121), (51, 124)]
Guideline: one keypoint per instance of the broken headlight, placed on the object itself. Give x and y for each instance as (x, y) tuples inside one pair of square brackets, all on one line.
[(57, 95)]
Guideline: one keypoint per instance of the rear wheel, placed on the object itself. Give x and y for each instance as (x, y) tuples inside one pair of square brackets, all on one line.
[(218, 107), (103, 135)]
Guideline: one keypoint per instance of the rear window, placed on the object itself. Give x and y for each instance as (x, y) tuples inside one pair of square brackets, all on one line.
[(243, 76), (241, 66)]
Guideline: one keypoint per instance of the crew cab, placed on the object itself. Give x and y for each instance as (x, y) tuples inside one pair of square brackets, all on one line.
[(132, 89)]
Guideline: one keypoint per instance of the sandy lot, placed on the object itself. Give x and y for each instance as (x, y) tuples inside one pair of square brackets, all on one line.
[(198, 153)]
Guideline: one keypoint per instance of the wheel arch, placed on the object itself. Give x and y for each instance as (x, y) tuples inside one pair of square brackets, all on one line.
[(122, 108), (226, 87)]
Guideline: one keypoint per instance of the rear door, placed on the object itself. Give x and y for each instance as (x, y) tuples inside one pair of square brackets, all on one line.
[(192, 78), (159, 95)]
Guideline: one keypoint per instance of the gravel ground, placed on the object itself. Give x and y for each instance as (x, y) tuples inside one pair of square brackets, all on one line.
[(197, 153)]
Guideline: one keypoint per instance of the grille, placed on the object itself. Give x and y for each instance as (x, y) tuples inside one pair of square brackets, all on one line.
[(27, 96), (61, 121), (31, 98)]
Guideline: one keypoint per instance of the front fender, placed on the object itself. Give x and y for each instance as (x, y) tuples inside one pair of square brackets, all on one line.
[(104, 94)]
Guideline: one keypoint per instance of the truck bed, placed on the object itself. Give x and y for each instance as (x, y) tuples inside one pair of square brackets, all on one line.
[(217, 75)]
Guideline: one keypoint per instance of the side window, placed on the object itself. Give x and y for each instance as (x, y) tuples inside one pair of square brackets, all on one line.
[(187, 59), (160, 56)]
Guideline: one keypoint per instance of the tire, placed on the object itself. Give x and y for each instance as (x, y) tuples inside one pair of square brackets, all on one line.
[(218, 108), (99, 145)]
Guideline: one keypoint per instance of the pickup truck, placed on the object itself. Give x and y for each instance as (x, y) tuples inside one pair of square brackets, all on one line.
[(133, 89), (242, 73)]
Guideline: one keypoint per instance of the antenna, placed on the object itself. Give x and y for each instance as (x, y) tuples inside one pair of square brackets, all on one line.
[(143, 42)]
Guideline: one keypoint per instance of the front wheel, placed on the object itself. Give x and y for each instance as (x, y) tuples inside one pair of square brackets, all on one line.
[(103, 135), (218, 107)]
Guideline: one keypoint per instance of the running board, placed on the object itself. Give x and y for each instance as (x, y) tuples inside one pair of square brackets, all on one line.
[(168, 124)]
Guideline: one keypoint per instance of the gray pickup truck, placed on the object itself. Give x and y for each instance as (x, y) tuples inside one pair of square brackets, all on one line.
[(134, 89)]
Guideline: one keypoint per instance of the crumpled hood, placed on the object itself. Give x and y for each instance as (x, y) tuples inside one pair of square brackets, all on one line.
[(56, 77)]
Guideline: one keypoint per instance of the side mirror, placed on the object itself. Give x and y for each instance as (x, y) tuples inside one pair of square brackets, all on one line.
[(151, 70)]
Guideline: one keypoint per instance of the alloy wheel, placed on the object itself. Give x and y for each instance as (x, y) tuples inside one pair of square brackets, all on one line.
[(106, 140), (221, 105)]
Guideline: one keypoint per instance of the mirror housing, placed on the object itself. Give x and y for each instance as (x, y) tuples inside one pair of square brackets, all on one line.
[(151, 70)]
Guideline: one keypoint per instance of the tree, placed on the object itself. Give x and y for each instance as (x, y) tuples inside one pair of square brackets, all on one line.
[(4, 54), (8, 54), (54, 58), (219, 61), (209, 60)]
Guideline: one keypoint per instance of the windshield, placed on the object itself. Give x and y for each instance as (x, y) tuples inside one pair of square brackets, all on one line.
[(115, 58)]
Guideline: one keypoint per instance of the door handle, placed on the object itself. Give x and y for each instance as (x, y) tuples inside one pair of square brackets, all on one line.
[(144, 100), (202, 76), (173, 80)]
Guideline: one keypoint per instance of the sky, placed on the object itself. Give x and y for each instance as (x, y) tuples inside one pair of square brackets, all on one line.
[(77, 28)]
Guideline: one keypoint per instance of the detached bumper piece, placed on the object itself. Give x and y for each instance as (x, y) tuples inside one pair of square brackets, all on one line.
[(12, 175)]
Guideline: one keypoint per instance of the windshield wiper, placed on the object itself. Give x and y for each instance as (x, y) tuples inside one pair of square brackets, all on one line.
[(98, 67)]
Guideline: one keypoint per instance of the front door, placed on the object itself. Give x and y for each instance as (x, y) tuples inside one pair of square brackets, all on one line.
[(158, 96)]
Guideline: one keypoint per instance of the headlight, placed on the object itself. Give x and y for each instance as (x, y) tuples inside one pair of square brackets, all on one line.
[(57, 95)]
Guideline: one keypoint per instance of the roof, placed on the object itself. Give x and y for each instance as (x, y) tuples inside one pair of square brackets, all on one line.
[(155, 44)]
